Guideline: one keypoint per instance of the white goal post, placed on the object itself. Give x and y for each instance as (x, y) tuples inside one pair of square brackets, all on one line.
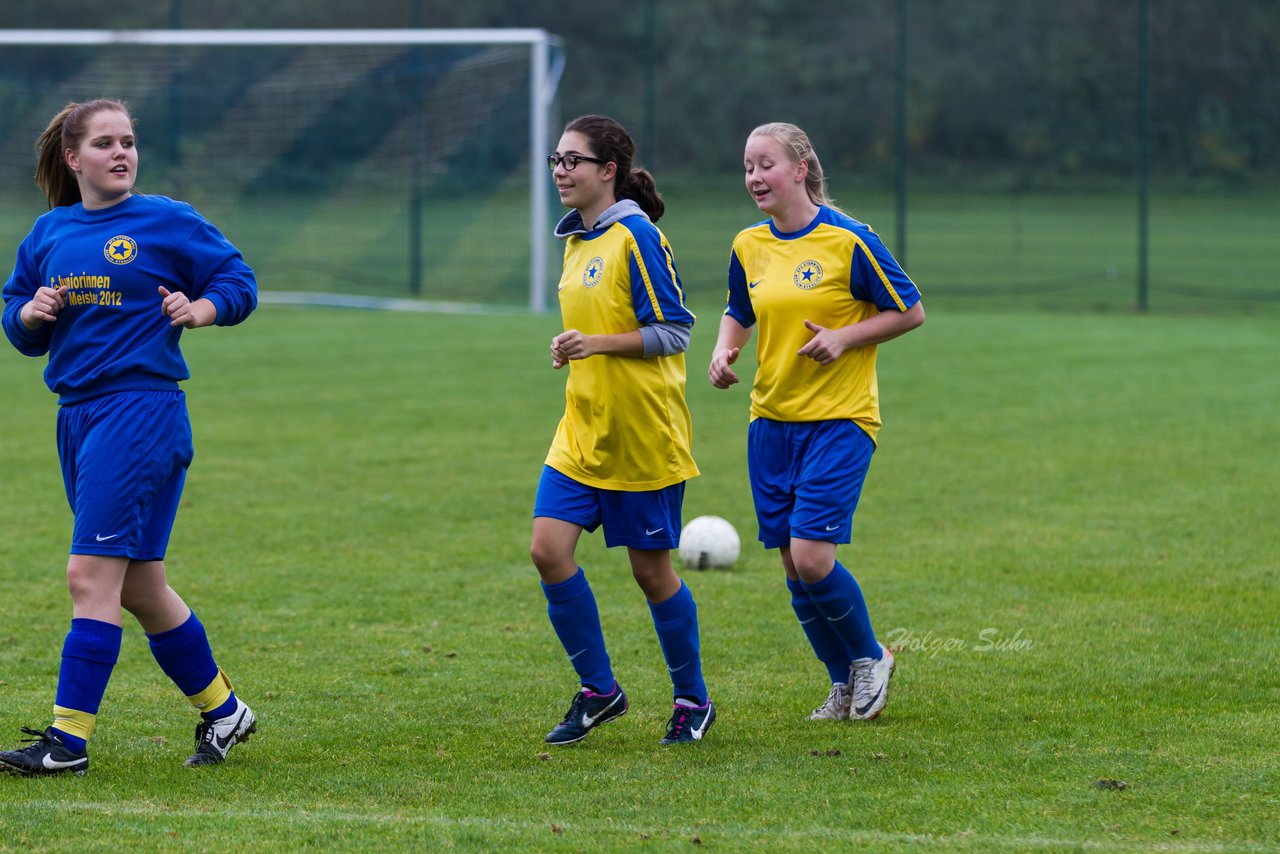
[(546, 64)]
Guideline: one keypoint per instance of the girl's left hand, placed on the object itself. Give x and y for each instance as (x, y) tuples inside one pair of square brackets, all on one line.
[(184, 312), (825, 346)]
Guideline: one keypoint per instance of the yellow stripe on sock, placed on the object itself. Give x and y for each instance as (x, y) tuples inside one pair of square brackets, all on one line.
[(74, 722), (213, 696)]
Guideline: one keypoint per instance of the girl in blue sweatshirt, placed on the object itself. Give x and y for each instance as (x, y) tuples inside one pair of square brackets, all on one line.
[(104, 285)]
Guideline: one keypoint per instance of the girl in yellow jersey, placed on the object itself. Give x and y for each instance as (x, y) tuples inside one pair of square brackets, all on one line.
[(823, 291), (621, 454)]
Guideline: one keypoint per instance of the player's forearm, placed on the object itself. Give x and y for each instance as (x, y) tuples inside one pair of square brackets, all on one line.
[(621, 344), (732, 335)]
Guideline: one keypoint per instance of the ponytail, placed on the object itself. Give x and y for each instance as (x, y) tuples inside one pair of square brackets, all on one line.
[(641, 188)]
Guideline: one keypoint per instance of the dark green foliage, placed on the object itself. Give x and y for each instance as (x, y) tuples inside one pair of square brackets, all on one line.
[(1047, 90)]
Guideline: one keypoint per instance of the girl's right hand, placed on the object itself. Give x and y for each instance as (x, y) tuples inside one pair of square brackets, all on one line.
[(718, 372), (43, 307)]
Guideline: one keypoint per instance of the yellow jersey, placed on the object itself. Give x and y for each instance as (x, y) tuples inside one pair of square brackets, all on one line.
[(626, 424), (834, 272)]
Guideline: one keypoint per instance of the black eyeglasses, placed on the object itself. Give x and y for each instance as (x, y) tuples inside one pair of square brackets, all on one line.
[(570, 161)]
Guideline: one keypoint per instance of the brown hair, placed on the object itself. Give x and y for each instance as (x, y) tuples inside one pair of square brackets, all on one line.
[(612, 143), (800, 149), (67, 130)]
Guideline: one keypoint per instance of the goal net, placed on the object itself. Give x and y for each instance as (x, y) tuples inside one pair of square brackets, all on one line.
[(357, 165)]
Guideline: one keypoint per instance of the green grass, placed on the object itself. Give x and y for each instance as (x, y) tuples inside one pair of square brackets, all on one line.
[(1094, 493)]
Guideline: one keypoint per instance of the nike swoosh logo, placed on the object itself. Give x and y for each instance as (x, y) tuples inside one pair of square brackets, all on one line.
[(54, 765), (681, 667), (697, 732), (753, 284), (224, 744), (649, 533), (578, 653), (103, 539), (834, 527), (588, 721), (862, 710)]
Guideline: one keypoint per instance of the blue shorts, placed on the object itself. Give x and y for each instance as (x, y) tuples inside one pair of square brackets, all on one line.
[(639, 520), (124, 459), (806, 477)]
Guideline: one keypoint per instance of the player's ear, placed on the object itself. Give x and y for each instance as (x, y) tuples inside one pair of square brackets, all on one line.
[(72, 161), (802, 171)]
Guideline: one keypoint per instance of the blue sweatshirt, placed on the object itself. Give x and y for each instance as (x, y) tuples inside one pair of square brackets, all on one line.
[(112, 334)]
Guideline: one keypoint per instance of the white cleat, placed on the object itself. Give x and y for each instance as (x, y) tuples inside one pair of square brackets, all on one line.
[(836, 708), (870, 680), (215, 738)]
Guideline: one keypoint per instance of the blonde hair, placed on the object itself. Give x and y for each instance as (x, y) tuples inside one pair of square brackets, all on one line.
[(67, 130), (800, 150)]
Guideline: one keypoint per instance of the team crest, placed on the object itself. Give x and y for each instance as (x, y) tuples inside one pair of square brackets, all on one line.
[(594, 272), (808, 274), (120, 249)]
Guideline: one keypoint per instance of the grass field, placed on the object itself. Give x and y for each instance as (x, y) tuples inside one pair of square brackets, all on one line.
[(1068, 531)]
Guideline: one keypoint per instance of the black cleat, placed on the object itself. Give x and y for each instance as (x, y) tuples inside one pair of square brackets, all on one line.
[(587, 711), (46, 754), (689, 723)]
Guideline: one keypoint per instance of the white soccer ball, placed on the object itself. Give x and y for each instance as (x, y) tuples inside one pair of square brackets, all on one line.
[(709, 541)]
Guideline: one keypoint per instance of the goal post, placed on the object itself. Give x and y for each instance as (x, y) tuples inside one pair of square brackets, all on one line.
[(388, 163)]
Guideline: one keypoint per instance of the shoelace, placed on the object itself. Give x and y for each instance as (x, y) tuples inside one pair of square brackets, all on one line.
[(39, 735), (204, 732), (679, 720), (575, 708), (833, 700)]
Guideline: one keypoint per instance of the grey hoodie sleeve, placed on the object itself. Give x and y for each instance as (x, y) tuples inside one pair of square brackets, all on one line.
[(665, 339)]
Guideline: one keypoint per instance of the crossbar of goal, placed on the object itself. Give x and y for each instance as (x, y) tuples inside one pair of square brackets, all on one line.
[(546, 66)]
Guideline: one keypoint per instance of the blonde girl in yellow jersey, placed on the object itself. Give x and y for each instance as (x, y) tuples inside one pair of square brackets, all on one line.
[(823, 292)]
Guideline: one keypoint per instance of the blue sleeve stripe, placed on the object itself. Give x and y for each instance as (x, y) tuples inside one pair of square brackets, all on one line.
[(653, 268), (884, 280)]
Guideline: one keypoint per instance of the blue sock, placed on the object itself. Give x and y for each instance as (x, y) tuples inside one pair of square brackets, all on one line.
[(572, 609), (185, 657), (88, 656), (827, 645), (839, 598), (676, 621)]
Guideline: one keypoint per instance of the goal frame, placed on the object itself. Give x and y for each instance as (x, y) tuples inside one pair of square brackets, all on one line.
[(546, 65)]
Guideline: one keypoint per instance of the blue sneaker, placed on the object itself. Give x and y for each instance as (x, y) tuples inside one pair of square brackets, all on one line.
[(689, 723), (587, 711), (46, 754)]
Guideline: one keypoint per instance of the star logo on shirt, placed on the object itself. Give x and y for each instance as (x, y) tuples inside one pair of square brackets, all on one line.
[(808, 274), (594, 272), (120, 249)]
